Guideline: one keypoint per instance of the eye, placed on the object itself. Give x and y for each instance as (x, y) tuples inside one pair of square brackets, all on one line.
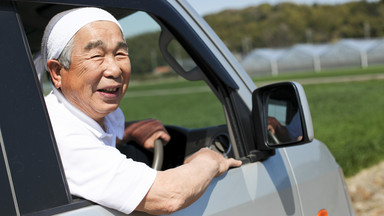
[(122, 53), (96, 53)]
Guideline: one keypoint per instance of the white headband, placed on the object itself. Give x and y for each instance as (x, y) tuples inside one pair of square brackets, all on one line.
[(64, 26)]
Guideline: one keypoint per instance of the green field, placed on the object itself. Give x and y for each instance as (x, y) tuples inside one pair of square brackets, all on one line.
[(347, 117)]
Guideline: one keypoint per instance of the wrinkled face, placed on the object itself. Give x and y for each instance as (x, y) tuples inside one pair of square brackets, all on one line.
[(100, 70)]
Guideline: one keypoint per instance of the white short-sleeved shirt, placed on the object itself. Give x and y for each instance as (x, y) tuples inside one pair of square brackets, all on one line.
[(94, 168)]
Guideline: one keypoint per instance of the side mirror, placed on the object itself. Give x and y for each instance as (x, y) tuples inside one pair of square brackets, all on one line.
[(281, 116)]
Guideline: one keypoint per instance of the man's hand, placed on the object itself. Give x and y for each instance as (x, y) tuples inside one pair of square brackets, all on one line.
[(207, 157), (145, 132), (277, 129), (150, 142), (273, 124)]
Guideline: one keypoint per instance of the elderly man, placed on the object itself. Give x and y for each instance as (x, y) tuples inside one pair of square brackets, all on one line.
[(86, 55)]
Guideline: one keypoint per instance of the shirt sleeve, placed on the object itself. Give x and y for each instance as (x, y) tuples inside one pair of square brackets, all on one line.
[(102, 174), (94, 170)]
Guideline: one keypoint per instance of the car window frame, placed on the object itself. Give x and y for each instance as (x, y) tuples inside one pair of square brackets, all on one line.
[(46, 153), (31, 153), (217, 76)]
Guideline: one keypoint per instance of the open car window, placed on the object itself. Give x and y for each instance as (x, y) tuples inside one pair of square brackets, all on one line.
[(156, 89), (166, 84)]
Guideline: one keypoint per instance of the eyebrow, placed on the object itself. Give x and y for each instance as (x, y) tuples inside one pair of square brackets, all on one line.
[(94, 44), (100, 43), (122, 45)]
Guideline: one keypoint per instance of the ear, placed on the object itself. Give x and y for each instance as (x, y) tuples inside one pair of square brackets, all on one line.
[(54, 68)]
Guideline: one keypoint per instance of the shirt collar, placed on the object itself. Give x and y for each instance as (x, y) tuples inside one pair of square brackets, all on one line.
[(91, 124)]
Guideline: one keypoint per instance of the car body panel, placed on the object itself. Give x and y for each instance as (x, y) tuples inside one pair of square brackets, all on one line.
[(93, 210), (265, 187), (319, 179)]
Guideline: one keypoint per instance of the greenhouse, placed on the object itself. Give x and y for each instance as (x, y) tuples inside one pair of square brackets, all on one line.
[(315, 57), (263, 61)]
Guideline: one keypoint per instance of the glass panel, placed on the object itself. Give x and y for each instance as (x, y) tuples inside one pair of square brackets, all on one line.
[(181, 56), (284, 122), (7, 206), (156, 90)]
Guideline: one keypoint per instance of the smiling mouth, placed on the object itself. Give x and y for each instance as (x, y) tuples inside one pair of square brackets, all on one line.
[(109, 90)]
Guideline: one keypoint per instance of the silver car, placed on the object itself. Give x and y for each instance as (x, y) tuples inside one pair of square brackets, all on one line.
[(282, 174)]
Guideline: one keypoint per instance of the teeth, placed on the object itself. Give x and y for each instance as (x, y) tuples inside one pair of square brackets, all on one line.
[(109, 90)]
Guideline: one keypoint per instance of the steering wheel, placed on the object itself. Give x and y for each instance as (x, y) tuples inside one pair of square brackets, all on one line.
[(272, 137), (158, 155)]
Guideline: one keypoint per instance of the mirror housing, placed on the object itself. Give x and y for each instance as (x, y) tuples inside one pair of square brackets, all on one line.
[(281, 116)]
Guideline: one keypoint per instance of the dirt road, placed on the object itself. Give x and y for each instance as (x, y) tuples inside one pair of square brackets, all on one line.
[(367, 191)]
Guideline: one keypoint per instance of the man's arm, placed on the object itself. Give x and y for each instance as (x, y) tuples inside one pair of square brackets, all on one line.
[(177, 188)]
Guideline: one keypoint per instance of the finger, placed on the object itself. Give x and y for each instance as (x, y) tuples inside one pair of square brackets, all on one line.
[(161, 135), (234, 163), (149, 143), (228, 163), (165, 137)]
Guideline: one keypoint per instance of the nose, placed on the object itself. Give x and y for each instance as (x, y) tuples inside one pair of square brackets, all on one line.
[(112, 68)]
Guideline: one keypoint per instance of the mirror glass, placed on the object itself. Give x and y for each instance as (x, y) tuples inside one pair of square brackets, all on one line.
[(283, 116)]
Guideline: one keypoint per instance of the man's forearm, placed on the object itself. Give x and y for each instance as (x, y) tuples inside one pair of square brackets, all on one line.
[(177, 188)]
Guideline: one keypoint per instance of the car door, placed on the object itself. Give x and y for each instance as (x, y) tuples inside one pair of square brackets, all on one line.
[(254, 189), (255, 186)]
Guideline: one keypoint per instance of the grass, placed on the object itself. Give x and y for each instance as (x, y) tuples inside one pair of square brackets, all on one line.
[(188, 110), (347, 117), (326, 73)]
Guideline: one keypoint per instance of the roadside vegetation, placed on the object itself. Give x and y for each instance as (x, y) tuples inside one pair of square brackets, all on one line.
[(348, 117), (274, 26), (286, 24)]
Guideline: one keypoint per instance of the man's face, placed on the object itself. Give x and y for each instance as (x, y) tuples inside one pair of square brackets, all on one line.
[(100, 70)]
